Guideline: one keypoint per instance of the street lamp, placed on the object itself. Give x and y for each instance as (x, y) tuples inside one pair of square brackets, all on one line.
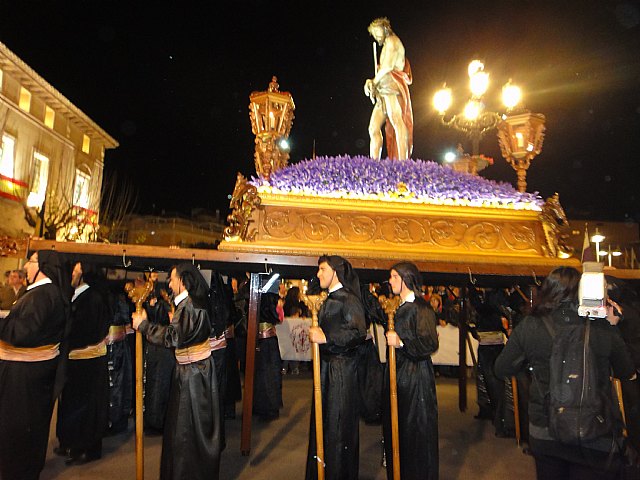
[(520, 137), (597, 238), (271, 114), (609, 253), (475, 120)]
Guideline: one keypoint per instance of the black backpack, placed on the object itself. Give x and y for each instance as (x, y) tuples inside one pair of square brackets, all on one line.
[(578, 411)]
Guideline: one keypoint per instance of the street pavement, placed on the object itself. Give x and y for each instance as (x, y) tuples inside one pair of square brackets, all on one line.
[(468, 447)]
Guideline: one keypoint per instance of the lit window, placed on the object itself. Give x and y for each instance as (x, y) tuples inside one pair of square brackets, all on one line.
[(86, 143), (81, 190), (49, 116), (7, 155), (25, 99), (39, 180)]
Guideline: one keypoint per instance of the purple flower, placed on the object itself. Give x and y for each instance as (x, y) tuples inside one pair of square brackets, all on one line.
[(417, 181)]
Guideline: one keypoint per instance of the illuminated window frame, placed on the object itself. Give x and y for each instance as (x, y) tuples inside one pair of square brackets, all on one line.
[(25, 99), (49, 116), (86, 144), (39, 180), (81, 189), (7, 155)]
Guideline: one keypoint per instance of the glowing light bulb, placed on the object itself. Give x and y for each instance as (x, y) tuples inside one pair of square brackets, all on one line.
[(442, 100), (472, 110)]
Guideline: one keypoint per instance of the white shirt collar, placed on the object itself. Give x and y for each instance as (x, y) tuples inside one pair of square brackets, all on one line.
[(337, 286), (411, 297), (44, 281), (180, 297), (78, 291)]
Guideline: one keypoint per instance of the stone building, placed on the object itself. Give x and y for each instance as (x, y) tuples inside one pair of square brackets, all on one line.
[(51, 158)]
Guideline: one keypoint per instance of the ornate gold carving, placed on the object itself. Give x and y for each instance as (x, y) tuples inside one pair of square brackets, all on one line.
[(271, 115), (243, 201), (553, 217), (304, 225), (13, 247)]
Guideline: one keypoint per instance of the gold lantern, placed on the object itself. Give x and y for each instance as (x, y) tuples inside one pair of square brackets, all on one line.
[(271, 114), (521, 136)]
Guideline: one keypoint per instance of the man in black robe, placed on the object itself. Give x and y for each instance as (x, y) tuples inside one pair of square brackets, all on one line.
[(83, 406), (415, 338), (31, 350), (191, 438), (341, 331)]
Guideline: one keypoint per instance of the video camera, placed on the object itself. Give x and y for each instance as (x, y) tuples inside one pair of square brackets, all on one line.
[(592, 291)]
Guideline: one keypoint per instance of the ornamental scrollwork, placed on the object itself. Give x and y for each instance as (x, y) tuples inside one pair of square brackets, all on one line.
[(553, 218), (243, 201)]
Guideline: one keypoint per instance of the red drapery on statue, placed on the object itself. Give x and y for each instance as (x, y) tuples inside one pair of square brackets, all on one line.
[(402, 79)]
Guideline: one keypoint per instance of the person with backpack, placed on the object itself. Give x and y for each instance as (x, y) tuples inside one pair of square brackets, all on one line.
[(574, 420)]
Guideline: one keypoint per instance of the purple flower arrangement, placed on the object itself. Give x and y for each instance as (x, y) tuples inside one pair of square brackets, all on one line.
[(414, 181)]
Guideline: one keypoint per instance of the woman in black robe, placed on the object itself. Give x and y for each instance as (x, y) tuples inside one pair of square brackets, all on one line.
[(30, 379), (83, 406), (415, 339), (341, 332), (191, 439)]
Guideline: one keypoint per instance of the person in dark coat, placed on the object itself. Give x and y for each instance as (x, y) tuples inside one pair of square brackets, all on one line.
[(370, 368), (83, 407), (191, 438), (158, 362), (341, 332), (529, 346), (120, 366), (267, 382), (14, 289), (31, 368), (415, 339)]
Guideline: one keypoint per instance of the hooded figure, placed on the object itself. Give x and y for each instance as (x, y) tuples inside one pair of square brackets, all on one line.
[(341, 332), (415, 340), (32, 349), (191, 436)]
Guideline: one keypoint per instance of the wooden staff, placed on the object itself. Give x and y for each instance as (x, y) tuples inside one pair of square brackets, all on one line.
[(390, 305), (314, 302), (138, 295), (618, 387), (516, 408)]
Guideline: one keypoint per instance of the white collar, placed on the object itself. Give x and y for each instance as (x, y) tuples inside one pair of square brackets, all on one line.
[(44, 281), (337, 286), (180, 297), (79, 290), (411, 297)]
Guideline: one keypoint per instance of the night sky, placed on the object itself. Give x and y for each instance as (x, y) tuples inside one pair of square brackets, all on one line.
[(171, 83)]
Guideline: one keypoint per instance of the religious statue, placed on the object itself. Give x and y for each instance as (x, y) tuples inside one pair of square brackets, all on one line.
[(389, 93)]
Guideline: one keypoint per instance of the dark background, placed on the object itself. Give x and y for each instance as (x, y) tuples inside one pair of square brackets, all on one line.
[(171, 82)]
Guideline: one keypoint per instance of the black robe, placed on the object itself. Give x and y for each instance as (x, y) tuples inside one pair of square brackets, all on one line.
[(120, 372), (415, 324), (83, 407), (342, 320), (191, 439), (267, 380), (27, 388), (158, 369)]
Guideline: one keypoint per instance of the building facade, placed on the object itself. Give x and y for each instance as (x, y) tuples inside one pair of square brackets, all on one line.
[(51, 158)]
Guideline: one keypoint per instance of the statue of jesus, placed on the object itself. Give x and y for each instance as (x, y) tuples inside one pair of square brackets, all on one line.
[(389, 92)]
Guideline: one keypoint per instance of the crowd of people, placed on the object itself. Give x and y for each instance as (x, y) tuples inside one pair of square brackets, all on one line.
[(68, 337)]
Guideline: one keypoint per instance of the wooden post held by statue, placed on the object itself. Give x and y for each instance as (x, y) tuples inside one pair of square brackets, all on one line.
[(138, 295), (314, 302), (390, 305)]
